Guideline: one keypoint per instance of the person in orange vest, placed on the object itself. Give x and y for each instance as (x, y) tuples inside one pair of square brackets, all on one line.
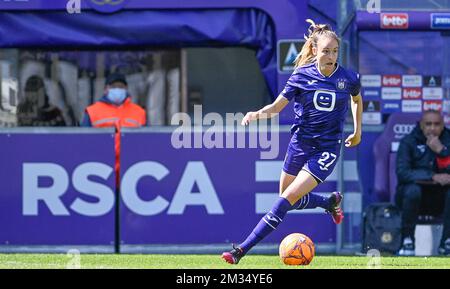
[(115, 109)]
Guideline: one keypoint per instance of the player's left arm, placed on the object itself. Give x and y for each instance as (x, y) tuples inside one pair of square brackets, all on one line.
[(357, 108)]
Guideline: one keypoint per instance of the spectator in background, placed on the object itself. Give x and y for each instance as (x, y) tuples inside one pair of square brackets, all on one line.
[(423, 167), (115, 109), (35, 109)]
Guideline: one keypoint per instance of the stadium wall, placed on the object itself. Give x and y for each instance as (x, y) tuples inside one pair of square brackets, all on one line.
[(183, 198)]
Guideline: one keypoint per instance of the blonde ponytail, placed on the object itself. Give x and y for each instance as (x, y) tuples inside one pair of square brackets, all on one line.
[(306, 55)]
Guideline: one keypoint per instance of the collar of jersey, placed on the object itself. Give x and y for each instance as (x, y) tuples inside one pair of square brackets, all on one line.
[(318, 70)]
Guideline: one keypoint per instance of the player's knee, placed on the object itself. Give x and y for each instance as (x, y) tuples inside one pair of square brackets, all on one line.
[(291, 196)]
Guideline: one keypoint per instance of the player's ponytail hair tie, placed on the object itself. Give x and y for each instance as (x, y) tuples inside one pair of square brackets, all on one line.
[(316, 28), (306, 55)]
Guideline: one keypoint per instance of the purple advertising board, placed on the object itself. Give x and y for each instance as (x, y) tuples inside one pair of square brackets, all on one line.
[(402, 20), (205, 195), (57, 188)]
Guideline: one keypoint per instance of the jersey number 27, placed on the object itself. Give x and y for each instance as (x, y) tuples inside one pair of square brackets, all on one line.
[(326, 160)]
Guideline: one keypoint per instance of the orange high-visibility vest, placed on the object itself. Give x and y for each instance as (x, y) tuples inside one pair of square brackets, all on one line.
[(127, 114)]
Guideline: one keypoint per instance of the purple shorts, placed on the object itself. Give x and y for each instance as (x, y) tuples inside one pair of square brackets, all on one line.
[(315, 157)]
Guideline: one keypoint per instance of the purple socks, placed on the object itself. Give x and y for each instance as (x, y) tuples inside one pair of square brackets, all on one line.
[(311, 201), (275, 216), (268, 223)]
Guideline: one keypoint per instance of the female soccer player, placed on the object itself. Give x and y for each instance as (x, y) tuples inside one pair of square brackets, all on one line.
[(320, 88)]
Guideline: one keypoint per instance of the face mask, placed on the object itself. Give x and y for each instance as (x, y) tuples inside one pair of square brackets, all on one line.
[(117, 95)]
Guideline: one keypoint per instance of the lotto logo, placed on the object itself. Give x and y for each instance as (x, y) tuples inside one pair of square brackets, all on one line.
[(432, 105), (394, 20), (412, 93), (392, 80)]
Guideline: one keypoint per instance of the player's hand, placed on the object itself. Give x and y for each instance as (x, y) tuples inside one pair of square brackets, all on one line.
[(353, 140), (440, 179), (434, 143), (250, 116), (447, 179)]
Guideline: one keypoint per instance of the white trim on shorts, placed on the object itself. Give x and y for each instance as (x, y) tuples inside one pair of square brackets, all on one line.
[(312, 174)]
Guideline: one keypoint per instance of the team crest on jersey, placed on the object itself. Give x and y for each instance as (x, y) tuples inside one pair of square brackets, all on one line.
[(341, 84)]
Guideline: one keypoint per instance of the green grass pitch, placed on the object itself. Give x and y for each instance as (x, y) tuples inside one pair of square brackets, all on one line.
[(110, 261)]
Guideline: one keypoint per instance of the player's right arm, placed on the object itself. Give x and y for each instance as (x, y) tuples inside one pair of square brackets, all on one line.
[(268, 111)]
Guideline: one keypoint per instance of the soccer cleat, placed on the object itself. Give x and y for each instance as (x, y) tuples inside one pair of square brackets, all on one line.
[(335, 207), (407, 248), (233, 256)]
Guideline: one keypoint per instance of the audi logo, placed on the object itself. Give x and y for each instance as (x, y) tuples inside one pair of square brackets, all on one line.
[(403, 128)]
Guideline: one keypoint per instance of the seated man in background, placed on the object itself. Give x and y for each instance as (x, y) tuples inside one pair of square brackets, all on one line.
[(115, 109), (36, 109), (423, 167)]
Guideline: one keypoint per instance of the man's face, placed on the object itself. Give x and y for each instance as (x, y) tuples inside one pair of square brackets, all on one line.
[(432, 124), (37, 97)]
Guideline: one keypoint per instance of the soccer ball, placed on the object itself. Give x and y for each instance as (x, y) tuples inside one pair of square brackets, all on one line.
[(296, 249)]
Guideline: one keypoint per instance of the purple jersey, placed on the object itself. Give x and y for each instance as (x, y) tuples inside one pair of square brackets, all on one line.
[(321, 102)]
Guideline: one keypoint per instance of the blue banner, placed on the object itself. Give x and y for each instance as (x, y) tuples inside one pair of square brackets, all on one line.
[(57, 189), (440, 20), (214, 195)]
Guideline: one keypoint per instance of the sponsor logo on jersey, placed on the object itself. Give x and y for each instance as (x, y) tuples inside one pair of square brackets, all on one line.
[(421, 148), (324, 100)]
